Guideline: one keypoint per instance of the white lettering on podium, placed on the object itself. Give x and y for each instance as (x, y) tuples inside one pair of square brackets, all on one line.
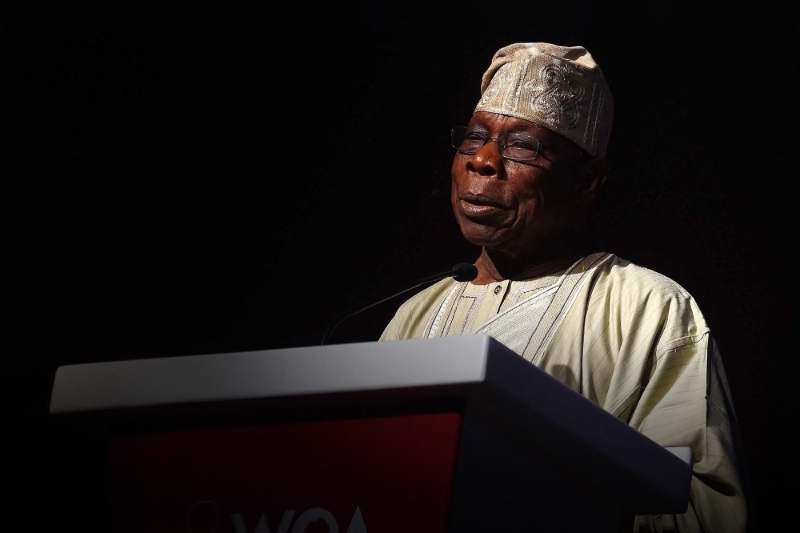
[(357, 523), (312, 515), (303, 521), (261, 526)]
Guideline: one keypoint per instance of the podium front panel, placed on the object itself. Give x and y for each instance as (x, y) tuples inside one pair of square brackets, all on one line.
[(421, 434), (386, 474)]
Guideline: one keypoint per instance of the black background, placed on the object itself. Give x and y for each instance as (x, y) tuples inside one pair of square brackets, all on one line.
[(232, 185)]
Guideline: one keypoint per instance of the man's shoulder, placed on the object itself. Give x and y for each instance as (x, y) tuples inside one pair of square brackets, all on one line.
[(622, 275), (638, 295)]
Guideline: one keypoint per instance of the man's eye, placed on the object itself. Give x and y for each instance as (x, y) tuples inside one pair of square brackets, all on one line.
[(474, 136), (521, 145)]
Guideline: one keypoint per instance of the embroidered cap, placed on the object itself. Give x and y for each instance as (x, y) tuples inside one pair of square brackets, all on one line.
[(558, 87)]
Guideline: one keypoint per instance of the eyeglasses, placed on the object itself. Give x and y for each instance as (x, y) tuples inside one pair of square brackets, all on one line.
[(513, 146)]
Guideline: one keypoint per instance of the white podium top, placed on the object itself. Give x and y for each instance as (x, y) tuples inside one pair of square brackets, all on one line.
[(339, 368)]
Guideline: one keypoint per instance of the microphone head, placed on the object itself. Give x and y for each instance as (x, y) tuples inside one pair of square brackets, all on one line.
[(465, 272)]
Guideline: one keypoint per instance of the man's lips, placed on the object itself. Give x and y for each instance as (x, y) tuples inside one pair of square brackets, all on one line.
[(481, 199), (479, 204)]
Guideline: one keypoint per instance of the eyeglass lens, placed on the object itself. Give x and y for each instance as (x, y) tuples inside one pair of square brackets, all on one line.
[(517, 146)]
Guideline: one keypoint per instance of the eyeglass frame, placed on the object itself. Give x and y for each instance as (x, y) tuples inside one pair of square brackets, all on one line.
[(502, 145)]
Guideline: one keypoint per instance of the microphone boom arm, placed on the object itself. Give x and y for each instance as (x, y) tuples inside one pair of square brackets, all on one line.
[(461, 272)]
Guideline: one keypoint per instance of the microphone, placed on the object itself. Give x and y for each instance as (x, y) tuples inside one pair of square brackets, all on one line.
[(460, 272)]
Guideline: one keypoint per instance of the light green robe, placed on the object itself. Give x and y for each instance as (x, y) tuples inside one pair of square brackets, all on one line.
[(625, 337)]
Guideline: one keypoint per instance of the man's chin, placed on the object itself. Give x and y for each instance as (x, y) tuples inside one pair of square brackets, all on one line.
[(489, 239)]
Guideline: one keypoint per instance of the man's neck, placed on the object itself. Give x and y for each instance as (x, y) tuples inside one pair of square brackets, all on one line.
[(494, 266)]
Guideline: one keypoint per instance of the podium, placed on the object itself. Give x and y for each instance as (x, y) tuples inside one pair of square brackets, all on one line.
[(433, 435)]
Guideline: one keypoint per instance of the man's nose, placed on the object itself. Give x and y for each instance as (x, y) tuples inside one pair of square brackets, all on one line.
[(487, 160)]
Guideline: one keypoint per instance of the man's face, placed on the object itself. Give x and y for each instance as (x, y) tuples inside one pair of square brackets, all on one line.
[(514, 206)]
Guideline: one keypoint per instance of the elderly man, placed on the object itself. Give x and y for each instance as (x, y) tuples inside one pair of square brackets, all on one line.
[(527, 168)]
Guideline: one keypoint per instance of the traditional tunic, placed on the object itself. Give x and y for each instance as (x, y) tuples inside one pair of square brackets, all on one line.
[(625, 337)]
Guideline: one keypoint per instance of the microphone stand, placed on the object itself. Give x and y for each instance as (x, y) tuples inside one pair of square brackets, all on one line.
[(461, 272)]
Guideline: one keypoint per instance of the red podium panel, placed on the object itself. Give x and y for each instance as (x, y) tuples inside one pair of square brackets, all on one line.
[(389, 474)]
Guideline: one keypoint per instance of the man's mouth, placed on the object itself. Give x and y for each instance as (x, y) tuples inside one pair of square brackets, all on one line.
[(479, 205), (481, 200)]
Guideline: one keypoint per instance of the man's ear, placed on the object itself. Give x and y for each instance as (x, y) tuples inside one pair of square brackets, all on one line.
[(595, 175)]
